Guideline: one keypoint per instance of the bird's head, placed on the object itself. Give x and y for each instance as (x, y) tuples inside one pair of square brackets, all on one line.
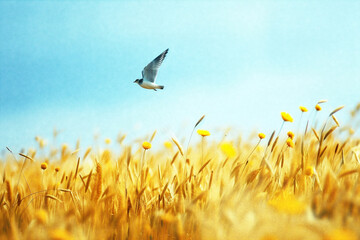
[(137, 81)]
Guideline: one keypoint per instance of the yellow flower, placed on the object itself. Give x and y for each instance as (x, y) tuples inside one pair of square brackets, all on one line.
[(44, 166), (168, 144), (107, 140), (41, 216), (60, 234), (203, 133), (309, 171), (261, 135), (290, 142), (303, 109), (269, 237), (146, 145), (286, 117), (340, 234), (291, 134), (287, 203), (317, 107), (228, 149)]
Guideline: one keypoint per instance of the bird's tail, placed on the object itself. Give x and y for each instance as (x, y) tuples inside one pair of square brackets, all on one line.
[(161, 87)]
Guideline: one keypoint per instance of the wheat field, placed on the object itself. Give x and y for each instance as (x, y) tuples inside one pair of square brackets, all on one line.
[(285, 185)]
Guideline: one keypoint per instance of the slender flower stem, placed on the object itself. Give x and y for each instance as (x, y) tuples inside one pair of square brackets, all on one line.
[(282, 125), (187, 148), (42, 178), (141, 165), (247, 159), (188, 144), (298, 127), (282, 148), (202, 150), (313, 120)]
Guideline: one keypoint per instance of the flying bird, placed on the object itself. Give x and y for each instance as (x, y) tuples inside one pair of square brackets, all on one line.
[(150, 72)]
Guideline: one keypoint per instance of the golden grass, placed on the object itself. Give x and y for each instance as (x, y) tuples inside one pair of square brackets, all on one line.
[(303, 186)]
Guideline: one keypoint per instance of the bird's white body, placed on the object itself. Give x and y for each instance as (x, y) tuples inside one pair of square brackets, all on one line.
[(149, 85)]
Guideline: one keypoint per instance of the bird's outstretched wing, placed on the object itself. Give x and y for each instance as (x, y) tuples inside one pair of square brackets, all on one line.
[(150, 71)]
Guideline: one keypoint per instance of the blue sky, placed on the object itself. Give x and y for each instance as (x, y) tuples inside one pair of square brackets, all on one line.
[(71, 65)]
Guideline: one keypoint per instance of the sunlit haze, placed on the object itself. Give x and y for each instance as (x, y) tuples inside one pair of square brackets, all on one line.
[(71, 66)]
